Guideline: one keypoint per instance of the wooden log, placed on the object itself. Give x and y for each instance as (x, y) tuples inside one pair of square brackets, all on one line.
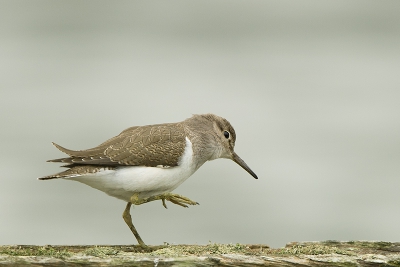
[(327, 253)]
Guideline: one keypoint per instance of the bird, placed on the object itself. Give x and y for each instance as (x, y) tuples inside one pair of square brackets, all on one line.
[(146, 163)]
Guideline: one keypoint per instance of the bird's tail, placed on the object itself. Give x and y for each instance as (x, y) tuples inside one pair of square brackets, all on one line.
[(65, 174), (48, 177), (54, 176), (76, 171)]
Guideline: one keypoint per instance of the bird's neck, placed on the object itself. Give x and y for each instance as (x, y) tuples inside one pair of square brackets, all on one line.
[(204, 145)]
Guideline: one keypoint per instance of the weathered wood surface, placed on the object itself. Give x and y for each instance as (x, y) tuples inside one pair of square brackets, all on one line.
[(328, 253)]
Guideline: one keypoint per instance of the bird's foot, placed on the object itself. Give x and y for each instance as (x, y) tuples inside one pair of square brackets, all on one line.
[(178, 200), (174, 198)]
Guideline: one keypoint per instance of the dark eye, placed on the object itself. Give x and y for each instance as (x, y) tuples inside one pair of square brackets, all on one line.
[(226, 134)]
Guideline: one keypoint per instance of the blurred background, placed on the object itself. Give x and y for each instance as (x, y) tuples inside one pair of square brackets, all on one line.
[(311, 87)]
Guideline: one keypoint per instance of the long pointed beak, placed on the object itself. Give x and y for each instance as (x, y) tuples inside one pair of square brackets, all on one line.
[(243, 164)]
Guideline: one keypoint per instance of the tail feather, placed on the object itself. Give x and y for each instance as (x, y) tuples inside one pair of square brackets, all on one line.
[(48, 177), (53, 176), (65, 174), (76, 171), (81, 162), (64, 160)]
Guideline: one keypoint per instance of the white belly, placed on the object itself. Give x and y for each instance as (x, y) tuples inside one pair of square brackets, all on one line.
[(123, 182)]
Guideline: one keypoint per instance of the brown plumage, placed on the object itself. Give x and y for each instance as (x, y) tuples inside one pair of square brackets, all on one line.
[(150, 145)]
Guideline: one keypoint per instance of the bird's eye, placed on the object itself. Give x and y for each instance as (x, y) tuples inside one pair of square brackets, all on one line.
[(226, 134)]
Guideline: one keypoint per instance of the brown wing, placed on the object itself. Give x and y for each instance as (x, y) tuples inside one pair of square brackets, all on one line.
[(149, 145)]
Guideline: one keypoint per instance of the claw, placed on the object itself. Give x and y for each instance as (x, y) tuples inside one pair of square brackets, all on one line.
[(178, 203)]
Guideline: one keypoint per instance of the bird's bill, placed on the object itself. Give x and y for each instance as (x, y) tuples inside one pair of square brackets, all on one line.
[(243, 164)]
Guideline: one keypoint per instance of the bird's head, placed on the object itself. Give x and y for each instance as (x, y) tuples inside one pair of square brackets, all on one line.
[(226, 141)]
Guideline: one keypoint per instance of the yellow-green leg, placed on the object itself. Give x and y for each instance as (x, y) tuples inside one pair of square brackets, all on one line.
[(174, 198), (128, 219)]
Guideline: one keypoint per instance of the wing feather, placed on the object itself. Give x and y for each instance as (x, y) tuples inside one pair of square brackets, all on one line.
[(150, 145)]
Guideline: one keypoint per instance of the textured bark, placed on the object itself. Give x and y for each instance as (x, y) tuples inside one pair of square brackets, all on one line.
[(328, 253)]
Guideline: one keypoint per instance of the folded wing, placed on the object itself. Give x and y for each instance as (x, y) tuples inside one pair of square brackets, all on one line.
[(150, 145)]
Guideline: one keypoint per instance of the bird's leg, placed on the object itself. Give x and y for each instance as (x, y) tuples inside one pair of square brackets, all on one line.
[(128, 219), (174, 198)]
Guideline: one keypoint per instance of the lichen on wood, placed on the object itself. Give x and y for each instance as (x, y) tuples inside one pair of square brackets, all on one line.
[(327, 253)]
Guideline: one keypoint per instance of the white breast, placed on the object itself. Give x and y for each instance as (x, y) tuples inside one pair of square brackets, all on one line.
[(123, 182)]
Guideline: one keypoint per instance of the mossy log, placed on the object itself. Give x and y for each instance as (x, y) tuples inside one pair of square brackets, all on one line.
[(327, 253)]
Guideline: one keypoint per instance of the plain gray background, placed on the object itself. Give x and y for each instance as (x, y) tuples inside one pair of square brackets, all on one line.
[(311, 87)]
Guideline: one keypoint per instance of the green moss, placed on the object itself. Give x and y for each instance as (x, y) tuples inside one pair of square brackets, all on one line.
[(101, 252), (210, 249), (310, 249), (46, 251), (395, 263), (219, 249)]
